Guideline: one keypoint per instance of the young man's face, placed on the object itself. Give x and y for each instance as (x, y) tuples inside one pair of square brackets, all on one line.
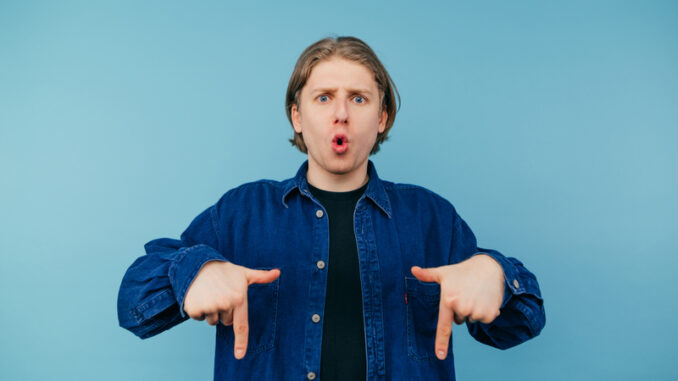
[(340, 116)]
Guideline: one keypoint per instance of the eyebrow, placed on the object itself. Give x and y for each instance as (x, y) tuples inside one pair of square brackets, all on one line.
[(332, 91)]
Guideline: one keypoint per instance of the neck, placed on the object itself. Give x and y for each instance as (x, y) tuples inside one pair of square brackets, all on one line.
[(336, 182)]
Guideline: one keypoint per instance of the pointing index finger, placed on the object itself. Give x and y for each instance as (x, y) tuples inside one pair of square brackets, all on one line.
[(240, 329), (444, 330)]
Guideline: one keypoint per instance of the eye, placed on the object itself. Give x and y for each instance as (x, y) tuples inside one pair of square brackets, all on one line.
[(360, 99), (321, 98)]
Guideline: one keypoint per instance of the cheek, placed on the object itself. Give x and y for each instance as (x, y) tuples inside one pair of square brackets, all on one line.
[(367, 139), (313, 134)]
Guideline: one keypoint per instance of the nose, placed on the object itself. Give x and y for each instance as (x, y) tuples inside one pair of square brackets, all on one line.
[(340, 113)]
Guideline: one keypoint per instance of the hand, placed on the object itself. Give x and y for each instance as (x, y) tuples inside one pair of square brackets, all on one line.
[(219, 293), (471, 290)]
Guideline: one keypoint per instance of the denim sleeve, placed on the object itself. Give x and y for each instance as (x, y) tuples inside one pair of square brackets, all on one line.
[(152, 291), (522, 314)]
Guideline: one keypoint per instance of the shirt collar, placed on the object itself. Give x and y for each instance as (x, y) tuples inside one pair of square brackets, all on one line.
[(375, 190)]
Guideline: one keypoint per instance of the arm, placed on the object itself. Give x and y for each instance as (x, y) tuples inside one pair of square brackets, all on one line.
[(152, 292), (522, 314)]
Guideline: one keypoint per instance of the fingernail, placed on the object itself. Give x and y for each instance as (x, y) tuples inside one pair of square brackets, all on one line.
[(441, 355), (239, 353)]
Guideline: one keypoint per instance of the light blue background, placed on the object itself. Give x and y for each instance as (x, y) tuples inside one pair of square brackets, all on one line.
[(551, 127)]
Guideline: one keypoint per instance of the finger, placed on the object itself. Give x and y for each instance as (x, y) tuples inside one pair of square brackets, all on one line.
[(459, 319), (226, 317), (444, 330), (240, 329), (425, 275), (261, 276), (213, 318)]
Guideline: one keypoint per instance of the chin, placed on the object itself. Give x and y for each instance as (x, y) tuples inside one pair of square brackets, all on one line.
[(340, 166), (340, 169)]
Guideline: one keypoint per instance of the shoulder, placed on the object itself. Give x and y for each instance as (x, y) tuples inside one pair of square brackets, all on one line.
[(261, 185), (261, 190), (412, 194)]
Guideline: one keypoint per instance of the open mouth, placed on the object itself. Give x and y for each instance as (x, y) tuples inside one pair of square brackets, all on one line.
[(340, 143)]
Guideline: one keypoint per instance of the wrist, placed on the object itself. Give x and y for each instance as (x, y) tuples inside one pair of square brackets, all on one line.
[(490, 263)]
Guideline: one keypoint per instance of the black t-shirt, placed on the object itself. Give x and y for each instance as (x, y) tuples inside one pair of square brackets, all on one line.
[(343, 346)]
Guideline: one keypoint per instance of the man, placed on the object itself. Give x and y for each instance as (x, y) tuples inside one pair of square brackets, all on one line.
[(333, 273)]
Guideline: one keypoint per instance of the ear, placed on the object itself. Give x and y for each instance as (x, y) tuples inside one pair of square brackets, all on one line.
[(382, 121), (296, 118)]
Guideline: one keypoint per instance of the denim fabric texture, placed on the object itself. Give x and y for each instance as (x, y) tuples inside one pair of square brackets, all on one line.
[(269, 224)]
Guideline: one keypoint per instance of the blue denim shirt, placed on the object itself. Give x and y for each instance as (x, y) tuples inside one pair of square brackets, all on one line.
[(269, 224)]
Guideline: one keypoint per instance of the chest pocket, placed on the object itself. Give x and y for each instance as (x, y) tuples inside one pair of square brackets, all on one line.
[(423, 303), (262, 313)]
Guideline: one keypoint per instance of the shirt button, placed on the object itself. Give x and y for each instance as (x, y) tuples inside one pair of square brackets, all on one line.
[(319, 213), (515, 283), (321, 265), (315, 318), (310, 376)]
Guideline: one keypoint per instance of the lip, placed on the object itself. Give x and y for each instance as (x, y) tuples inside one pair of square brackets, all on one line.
[(340, 148)]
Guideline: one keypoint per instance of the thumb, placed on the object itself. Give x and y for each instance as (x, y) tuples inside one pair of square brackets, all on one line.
[(426, 275), (261, 276)]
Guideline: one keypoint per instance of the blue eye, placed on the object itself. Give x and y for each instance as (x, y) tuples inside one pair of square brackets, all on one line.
[(362, 100), (322, 96)]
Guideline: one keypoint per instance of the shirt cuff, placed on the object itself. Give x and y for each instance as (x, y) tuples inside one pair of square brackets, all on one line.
[(184, 269), (511, 283)]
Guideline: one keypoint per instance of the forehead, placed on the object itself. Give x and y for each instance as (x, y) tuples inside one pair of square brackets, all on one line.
[(338, 73)]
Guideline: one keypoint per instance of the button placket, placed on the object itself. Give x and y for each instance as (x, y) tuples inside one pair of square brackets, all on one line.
[(313, 331)]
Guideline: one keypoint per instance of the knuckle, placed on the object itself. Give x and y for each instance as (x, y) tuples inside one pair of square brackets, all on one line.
[(489, 317), (237, 299), (241, 329), (464, 309), (448, 300), (195, 313), (223, 305), (445, 330)]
